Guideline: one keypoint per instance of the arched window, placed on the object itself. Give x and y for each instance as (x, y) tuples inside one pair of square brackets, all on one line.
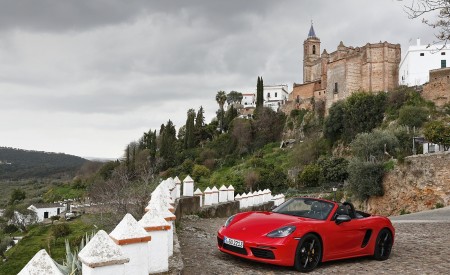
[(314, 49)]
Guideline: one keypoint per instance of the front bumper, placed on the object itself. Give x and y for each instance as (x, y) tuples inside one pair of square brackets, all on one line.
[(278, 251)]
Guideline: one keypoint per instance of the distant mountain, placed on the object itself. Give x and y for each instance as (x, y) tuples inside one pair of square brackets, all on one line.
[(23, 164)]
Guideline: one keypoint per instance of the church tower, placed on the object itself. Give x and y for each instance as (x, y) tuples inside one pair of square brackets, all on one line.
[(311, 55)]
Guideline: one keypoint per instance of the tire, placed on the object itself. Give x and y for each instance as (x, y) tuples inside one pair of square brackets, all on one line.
[(383, 245), (308, 253)]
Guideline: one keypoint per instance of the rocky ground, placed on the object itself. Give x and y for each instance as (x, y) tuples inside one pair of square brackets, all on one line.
[(422, 246)]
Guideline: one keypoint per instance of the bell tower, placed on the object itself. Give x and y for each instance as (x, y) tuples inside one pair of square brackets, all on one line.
[(311, 53)]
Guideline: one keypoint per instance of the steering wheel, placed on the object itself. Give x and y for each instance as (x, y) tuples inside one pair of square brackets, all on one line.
[(352, 211)]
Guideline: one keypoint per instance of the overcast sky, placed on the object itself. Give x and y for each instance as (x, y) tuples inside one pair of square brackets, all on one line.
[(87, 77)]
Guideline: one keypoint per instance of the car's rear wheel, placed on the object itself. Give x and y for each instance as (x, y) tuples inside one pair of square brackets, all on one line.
[(383, 245), (308, 253)]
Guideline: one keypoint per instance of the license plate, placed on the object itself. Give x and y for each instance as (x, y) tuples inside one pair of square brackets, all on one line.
[(233, 242)]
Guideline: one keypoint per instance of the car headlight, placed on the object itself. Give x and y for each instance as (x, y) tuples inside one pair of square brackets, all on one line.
[(229, 220), (282, 232)]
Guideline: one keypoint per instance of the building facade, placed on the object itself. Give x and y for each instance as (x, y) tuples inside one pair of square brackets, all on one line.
[(419, 60), (335, 76), (275, 96), (47, 210), (438, 87)]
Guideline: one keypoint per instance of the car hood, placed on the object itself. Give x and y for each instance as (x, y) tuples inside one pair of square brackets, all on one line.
[(260, 223)]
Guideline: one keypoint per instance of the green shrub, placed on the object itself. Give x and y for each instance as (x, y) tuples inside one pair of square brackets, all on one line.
[(404, 212), (200, 171), (413, 116), (439, 205), (10, 228), (365, 179), (309, 177), (60, 230)]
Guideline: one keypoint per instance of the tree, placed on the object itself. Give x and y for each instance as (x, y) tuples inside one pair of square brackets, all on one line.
[(168, 147), (230, 114), (309, 177), (16, 196), (189, 138), (374, 146), (234, 98), (334, 123), (365, 179), (438, 132), (259, 92), (241, 132), (267, 126), (221, 98), (363, 112), (412, 116), (420, 8), (333, 172)]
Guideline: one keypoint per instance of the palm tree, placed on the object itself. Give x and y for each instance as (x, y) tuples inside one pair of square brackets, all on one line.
[(221, 98)]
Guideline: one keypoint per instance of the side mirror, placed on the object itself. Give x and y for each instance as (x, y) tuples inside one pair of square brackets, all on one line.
[(342, 218)]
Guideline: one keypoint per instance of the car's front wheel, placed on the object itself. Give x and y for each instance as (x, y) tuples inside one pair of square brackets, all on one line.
[(308, 253), (383, 245)]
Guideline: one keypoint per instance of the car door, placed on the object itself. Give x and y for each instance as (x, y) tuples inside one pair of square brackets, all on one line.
[(346, 238)]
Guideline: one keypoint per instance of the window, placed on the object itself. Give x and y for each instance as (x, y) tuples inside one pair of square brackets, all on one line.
[(442, 53), (276, 94), (268, 94), (422, 54), (314, 49), (443, 63), (45, 215), (335, 88)]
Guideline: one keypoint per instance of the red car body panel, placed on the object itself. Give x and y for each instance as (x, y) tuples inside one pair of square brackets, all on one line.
[(339, 241)]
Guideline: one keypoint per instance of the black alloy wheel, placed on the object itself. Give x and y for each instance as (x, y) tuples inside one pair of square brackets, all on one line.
[(383, 245), (308, 253)]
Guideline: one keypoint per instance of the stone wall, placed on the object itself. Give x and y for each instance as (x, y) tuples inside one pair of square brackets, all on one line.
[(438, 89), (419, 184)]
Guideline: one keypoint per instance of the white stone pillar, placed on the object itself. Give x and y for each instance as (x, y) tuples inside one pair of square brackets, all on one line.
[(223, 194), (260, 197), (157, 227), (249, 199), (102, 256), (208, 196), (215, 195), (269, 195), (255, 198), (177, 187), (244, 200), (41, 263), (282, 199), (133, 239), (188, 187), (199, 193), (230, 193), (238, 198)]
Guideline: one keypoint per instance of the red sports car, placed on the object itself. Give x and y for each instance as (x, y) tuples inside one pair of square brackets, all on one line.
[(302, 232)]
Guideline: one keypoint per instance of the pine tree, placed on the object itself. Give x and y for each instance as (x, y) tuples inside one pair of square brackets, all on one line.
[(259, 92)]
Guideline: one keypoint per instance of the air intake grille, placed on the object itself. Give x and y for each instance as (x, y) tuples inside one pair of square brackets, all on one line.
[(262, 253)]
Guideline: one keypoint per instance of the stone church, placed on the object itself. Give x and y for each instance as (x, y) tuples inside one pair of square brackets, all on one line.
[(330, 77)]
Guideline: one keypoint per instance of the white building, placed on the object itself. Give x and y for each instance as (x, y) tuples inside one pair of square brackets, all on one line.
[(419, 60), (47, 210), (429, 147), (248, 100), (275, 96)]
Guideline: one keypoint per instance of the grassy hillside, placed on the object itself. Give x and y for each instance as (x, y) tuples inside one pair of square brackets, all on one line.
[(18, 164)]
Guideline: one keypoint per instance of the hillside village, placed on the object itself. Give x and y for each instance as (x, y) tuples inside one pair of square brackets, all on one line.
[(362, 123)]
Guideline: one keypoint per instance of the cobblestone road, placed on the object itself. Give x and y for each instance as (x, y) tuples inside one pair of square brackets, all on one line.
[(421, 247)]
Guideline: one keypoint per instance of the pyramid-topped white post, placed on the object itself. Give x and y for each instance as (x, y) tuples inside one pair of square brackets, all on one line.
[(282, 198), (215, 195), (238, 198), (188, 187), (157, 227), (199, 193), (177, 187), (230, 196), (102, 256), (260, 197), (223, 194), (244, 200), (170, 218), (249, 199), (255, 198), (208, 196), (41, 263), (133, 239), (269, 195)]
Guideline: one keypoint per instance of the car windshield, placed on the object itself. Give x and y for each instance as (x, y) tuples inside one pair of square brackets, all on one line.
[(305, 207)]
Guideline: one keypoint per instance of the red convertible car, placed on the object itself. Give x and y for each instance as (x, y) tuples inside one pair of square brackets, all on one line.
[(302, 232)]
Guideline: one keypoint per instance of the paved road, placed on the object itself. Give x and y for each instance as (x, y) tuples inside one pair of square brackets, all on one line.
[(422, 246)]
